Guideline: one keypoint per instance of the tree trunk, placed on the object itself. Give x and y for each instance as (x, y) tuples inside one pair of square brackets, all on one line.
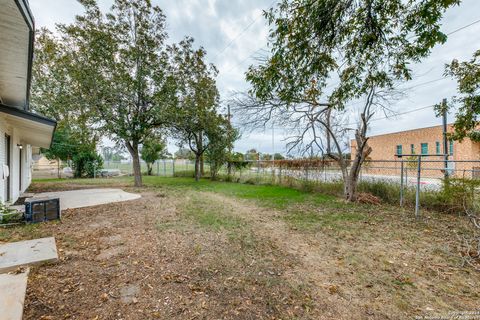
[(351, 188), (137, 173), (362, 152), (200, 147), (197, 167), (149, 168)]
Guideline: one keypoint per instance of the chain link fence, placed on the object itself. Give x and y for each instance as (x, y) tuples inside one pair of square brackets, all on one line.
[(431, 171), (402, 170), (402, 180), (164, 168)]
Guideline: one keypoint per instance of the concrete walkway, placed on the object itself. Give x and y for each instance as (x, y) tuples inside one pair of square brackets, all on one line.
[(12, 295), (26, 253), (14, 285), (88, 197)]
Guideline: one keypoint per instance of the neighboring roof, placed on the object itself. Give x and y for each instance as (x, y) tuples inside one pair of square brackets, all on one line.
[(16, 52), (409, 130)]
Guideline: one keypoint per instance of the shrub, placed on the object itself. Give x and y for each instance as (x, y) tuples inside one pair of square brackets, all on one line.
[(184, 173)]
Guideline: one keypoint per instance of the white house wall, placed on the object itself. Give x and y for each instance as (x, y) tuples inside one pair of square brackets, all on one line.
[(2, 158), (15, 189)]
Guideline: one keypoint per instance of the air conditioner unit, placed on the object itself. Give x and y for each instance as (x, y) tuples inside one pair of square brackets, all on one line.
[(42, 209)]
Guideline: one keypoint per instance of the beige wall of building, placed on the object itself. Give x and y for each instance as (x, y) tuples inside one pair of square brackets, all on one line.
[(385, 146)]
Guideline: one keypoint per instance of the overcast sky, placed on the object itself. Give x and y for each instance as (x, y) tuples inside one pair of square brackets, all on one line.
[(234, 32)]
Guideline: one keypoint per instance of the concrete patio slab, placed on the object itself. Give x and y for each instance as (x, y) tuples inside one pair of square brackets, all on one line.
[(88, 197), (23, 253), (12, 295)]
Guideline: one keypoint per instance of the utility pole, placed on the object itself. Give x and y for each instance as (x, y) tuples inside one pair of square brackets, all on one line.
[(445, 140)]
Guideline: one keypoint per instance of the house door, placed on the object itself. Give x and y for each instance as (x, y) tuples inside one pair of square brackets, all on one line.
[(8, 164)]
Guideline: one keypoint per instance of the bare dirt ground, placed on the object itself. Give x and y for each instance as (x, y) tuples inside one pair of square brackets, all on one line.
[(190, 254)]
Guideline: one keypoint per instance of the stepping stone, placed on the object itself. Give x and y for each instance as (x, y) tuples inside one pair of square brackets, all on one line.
[(110, 253), (129, 294), (112, 240), (23, 253), (12, 295)]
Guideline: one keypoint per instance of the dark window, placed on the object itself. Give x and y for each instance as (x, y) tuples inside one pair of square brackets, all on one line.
[(424, 147), (399, 149), (437, 147), (412, 148), (451, 148)]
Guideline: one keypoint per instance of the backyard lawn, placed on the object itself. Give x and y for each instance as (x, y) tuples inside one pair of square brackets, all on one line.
[(214, 250)]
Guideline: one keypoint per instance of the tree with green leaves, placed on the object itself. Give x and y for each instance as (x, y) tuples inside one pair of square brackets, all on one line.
[(328, 57), (154, 148), (184, 153), (113, 154), (68, 146), (55, 93), (120, 63), (467, 119), (194, 119), (252, 155), (221, 139)]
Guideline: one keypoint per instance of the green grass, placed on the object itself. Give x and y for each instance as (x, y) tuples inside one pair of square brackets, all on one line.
[(22, 232), (299, 207), (210, 215), (268, 195)]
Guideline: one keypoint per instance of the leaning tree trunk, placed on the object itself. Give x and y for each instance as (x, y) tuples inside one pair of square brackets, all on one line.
[(197, 167), (137, 172), (362, 152)]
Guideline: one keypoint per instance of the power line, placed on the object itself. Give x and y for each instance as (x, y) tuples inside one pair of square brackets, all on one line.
[(398, 114), (243, 61), (464, 27), (241, 33), (424, 83), (376, 119), (264, 48)]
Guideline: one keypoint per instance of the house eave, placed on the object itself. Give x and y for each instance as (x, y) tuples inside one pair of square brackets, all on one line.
[(26, 13), (29, 20), (35, 129), (16, 52)]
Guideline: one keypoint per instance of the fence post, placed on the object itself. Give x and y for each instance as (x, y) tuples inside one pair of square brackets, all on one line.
[(406, 176), (258, 168), (401, 182), (417, 194), (273, 171), (158, 167), (173, 167), (164, 168)]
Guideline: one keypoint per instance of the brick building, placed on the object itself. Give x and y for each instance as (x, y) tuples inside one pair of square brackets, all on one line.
[(421, 141)]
